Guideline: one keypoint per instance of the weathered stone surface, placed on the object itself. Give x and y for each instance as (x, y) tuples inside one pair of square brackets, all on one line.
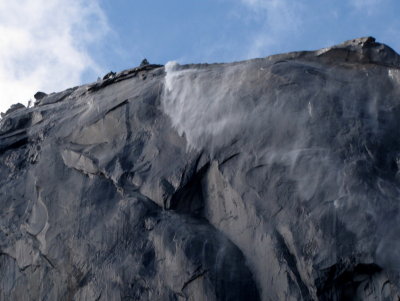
[(54, 97), (13, 108), (39, 95), (269, 179)]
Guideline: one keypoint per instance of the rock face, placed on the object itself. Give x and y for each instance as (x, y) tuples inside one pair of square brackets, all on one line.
[(270, 179)]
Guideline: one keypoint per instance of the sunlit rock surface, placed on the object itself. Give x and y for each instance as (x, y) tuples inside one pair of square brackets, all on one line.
[(270, 179)]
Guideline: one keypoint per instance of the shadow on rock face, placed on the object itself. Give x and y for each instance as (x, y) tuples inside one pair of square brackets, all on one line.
[(360, 282), (269, 179)]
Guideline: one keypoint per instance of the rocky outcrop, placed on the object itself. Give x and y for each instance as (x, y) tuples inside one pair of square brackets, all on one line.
[(270, 179)]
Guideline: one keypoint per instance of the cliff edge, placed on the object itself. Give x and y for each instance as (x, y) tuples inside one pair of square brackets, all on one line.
[(270, 179)]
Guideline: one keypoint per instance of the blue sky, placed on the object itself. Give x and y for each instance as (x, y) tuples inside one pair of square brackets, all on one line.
[(228, 30), (51, 45)]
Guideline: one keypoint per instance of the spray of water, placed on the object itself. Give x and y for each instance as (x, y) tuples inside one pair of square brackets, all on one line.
[(299, 115)]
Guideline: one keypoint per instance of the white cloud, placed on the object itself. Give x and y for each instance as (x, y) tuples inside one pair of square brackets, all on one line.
[(44, 45), (280, 20), (368, 6)]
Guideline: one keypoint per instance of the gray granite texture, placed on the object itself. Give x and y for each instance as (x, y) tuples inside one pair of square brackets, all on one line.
[(270, 179)]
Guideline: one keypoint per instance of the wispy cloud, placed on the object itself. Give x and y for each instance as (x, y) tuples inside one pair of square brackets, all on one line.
[(279, 19), (44, 45), (368, 6)]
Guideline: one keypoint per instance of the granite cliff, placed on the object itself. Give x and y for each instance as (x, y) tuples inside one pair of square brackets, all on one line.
[(276, 178)]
